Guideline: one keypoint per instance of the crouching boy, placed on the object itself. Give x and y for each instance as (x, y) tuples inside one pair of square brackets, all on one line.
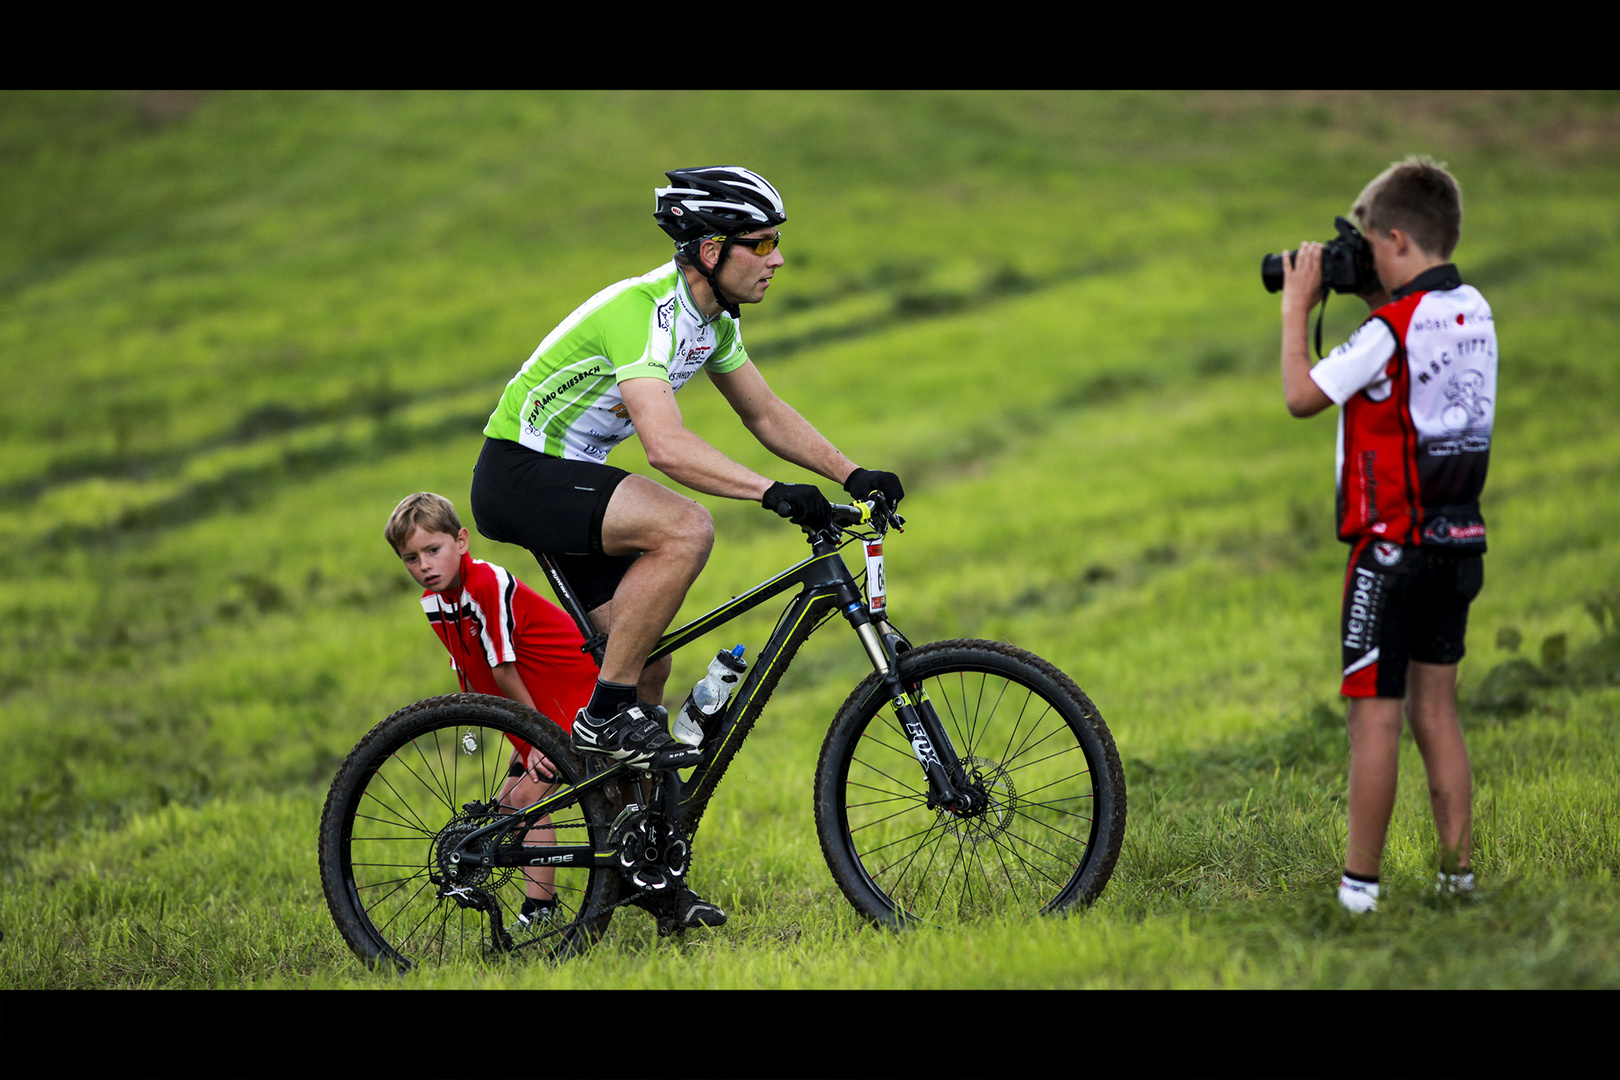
[(1416, 386), (503, 640)]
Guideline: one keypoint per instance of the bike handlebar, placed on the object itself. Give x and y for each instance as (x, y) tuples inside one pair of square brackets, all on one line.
[(875, 513)]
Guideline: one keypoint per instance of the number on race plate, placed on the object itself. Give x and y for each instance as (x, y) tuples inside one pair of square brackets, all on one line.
[(875, 586)]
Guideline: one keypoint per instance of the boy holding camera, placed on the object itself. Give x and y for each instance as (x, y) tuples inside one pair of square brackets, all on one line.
[(1416, 387)]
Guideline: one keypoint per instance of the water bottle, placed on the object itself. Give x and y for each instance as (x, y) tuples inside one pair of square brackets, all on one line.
[(695, 721)]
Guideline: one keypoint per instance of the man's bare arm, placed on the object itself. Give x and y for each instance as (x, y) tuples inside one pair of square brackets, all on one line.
[(778, 426), (679, 453)]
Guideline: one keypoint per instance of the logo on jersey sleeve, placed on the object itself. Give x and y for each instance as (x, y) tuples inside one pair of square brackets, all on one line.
[(666, 314)]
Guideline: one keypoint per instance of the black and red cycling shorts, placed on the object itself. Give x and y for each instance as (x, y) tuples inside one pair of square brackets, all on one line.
[(1403, 603)]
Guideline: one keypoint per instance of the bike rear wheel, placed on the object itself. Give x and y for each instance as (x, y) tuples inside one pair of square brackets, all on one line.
[(416, 783), (1025, 733)]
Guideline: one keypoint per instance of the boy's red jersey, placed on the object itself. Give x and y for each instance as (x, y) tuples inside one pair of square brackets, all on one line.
[(1417, 383), (497, 619)]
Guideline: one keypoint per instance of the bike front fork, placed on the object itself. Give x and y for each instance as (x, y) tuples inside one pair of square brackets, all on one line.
[(949, 786)]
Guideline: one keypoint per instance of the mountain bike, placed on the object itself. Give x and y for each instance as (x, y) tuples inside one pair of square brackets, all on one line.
[(959, 780)]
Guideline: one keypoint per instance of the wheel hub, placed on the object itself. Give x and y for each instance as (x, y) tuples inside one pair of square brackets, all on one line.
[(997, 800), (460, 869)]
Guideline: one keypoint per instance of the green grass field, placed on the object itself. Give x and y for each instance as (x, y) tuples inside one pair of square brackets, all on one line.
[(236, 328)]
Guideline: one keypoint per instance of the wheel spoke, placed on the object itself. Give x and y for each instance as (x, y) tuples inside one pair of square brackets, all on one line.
[(406, 799), (1028, 741)]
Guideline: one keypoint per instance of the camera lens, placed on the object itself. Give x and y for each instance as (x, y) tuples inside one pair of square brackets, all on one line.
[(1271, 273)]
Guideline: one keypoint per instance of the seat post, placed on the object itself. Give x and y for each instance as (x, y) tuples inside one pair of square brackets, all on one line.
[(595, 640)]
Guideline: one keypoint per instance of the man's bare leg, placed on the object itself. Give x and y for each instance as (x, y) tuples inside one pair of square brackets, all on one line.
[(650, 687), (673, 535)]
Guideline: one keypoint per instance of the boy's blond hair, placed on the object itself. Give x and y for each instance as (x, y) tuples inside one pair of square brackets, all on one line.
[(424, 510), (1417, 196)]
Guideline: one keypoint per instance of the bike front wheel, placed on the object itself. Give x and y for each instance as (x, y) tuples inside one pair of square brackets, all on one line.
[(417, 784), (1053, 821)]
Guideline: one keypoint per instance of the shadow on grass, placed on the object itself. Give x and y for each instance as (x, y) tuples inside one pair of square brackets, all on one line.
[(1518, 685)]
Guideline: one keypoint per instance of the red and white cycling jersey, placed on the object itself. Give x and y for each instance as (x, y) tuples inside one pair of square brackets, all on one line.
[(496, 619), (1417, 388)]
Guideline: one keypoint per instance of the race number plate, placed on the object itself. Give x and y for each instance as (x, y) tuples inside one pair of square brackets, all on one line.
[(876, 587)]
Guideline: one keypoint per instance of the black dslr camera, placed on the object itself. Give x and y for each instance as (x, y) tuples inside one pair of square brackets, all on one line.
[(1347, 263)]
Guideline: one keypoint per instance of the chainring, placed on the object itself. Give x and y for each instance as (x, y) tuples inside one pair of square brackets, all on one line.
[(650, 854)]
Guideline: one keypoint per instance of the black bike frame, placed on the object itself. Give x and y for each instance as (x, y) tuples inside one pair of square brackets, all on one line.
[(825, 583)]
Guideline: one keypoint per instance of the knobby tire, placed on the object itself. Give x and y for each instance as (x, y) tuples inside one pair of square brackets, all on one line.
[(404, 789), (1035, 743)]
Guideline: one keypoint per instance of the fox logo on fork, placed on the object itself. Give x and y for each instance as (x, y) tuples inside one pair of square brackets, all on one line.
[(919, 739)]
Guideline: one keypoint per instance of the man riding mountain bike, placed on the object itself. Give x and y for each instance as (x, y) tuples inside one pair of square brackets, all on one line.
[(630, 546)]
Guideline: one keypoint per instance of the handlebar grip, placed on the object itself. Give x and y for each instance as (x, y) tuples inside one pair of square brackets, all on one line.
[(851, 515), (863, 512)]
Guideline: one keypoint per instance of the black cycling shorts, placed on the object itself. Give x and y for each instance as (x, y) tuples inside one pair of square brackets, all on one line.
[(1401, 604), (552, 507)]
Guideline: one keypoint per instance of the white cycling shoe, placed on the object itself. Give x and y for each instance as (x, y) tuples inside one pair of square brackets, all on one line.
[(634, 737)]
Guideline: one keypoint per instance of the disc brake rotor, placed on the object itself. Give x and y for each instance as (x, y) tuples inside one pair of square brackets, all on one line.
[(1001, 801)]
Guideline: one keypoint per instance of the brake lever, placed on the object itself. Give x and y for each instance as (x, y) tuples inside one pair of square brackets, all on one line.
[(874, 511), (880, 509)]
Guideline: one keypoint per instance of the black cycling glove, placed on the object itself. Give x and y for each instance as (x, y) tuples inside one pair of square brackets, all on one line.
[(862, 482), (802, 504)]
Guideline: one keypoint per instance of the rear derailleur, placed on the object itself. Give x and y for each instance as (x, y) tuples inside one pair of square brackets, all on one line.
[(458, 877)]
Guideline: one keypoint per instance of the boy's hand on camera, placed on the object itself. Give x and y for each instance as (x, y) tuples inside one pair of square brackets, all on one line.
[(1302, 278)]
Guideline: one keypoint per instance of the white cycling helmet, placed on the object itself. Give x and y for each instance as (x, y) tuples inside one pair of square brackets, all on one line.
[(720, 201)]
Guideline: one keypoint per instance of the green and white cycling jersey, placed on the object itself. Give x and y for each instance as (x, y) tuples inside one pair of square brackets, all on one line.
[(565, 400)]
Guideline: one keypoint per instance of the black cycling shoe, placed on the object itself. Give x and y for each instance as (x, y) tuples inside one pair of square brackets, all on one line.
[(692, 910), (633, 737), (680, 912)]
